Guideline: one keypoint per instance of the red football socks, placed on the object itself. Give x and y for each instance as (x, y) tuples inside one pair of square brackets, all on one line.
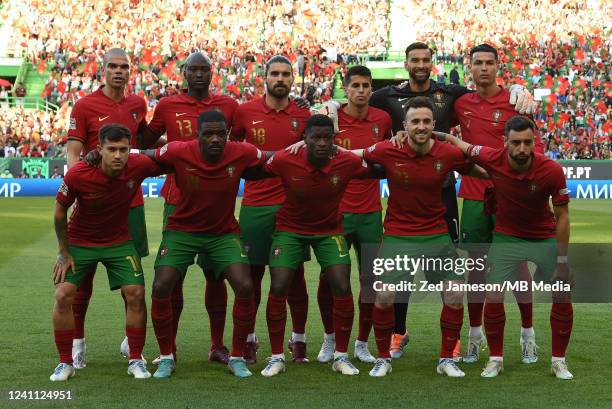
[(561, 320), (161, 315), (383, 321), (298, 301), (243, 315), (215, 300), (344, 313), (494, 323), (176, 298), (81, 303), (63, 342), (276, 317), (451, 320), (136, 341), (326, 301), (365, 320)]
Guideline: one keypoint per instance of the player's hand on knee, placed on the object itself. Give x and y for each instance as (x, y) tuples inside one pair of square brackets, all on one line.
[(522, 100), (330, 108), (295, 148), (62, 265)]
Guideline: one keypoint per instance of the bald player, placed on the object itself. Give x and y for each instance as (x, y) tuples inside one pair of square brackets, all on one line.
[(177, 117), (109, 104)]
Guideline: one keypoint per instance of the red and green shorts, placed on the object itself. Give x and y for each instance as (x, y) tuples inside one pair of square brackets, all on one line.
[(122, 264), (201, 260), (476, 226), (362, 228), (138, 230), (507, 252), (179, 249), (256, 230), (436, 252), (288, 249)]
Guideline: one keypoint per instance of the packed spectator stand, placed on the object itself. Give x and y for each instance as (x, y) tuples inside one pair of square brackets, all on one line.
[(553, 49)]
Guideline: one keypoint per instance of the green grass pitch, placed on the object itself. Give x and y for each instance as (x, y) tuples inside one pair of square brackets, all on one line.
[(27, 252)]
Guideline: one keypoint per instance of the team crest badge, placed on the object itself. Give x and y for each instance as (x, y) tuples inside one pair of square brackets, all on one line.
[(230, 171), (533, 187), (130, 184), (497, 115), (375, 131), (134, 115), (294, 124), (163, 251), (63, 189), (438, 98), (334, 180), (277, 252), (438, 166)]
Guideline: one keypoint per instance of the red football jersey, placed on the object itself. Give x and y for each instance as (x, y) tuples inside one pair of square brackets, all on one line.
[(177, 116), (522, 199), (269, 130), (482, 122), (208, 190), (90, 113), (362, 196), (415, 181), (312, 202), (100, 216)]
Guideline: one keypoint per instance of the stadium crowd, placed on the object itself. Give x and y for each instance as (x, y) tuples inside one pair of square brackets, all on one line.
[(239, 37)]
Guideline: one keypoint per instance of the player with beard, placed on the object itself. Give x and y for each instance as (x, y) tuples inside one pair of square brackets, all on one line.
[(393, 100), (483, 116), (525, 230), (271, 123), (177, 117), (109, 104)]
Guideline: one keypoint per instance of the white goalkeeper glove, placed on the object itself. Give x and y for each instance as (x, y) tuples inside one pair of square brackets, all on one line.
[(330, 108), (522, 100)]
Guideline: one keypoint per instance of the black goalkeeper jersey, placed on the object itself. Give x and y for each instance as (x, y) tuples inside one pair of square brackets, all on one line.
[(393, 99)]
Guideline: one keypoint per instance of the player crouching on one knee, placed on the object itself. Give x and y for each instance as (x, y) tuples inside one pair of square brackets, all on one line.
[(98, 233)]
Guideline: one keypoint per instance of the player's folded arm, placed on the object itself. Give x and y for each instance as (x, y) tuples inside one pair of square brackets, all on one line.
[(256, 173), (376, 171), (147, 138)]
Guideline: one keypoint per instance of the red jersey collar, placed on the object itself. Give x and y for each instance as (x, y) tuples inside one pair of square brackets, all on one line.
[(100, 93), (502, 95), (287, 110), (432, 152), (351, 119), (311, 169), (528, 174)]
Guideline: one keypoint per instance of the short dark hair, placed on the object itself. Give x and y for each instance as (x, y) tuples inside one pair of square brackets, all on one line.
[(419, 102), (360, 70), (319, 120), (210, 116), (519, 123), (278, 59), (113, 133), (484, 48), (418, 46)]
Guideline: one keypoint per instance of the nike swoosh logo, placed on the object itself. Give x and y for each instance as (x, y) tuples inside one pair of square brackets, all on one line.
[(467, 112), (102, 118), (294, 178), (343, 255), (402, 99), (400, 164), (138, 275), (192, 169), (180, 114), (256, 122), (342, 130)]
